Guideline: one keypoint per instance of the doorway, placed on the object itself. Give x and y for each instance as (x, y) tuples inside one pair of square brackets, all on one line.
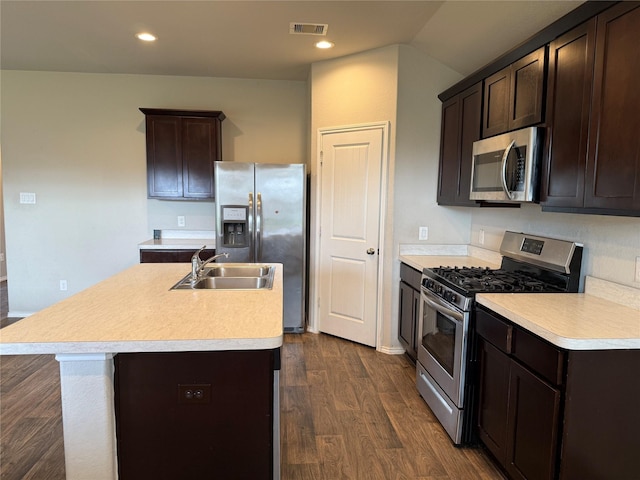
[(351, 203)]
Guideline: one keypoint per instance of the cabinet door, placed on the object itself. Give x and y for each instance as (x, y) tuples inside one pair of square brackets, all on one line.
[(493, 398), (164, 160), (571, 59), (461, 120), (198, 154), (407, 319), (470, 121), (527, 88), (449, 152), (532, 440), (514, 95), (495, 119), (613, 166)]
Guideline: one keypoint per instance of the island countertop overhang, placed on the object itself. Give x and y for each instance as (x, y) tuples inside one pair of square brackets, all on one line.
[(135, 311)]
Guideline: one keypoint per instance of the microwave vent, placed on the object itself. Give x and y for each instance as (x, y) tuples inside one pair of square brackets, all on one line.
[(296, 28)]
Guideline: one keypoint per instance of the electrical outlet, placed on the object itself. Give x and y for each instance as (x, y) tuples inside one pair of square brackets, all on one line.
[(423, 233), (1, 257), (194, 393), (481, 237), (63, 285), (27, 197), (181, 221), (637, 269)]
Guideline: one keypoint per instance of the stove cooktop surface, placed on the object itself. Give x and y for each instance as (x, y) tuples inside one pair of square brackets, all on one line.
[(470, 280)]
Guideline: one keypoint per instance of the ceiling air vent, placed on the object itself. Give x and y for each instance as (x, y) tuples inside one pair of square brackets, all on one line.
[(296, 28)]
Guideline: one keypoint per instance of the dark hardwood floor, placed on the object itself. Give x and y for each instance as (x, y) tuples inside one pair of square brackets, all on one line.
[(348, 412)]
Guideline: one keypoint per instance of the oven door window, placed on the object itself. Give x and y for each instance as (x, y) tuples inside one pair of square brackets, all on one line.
[(439, 337)]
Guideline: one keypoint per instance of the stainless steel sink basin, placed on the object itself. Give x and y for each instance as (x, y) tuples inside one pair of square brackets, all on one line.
[(236, 276), (223, 270), (231, 283)]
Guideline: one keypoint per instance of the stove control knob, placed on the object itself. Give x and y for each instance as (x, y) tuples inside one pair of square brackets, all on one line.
[(453, 298)]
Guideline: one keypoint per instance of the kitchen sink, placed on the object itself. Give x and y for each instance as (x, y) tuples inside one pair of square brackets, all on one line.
[(223, 270), (231, 283), (237, 276)]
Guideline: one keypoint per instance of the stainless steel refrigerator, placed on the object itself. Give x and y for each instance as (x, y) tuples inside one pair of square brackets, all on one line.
[(260, 217)]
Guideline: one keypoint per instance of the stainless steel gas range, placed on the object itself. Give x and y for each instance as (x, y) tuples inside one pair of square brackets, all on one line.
[(446, 367)]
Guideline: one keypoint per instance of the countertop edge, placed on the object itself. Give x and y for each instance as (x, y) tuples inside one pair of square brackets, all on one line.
[(141, 346)]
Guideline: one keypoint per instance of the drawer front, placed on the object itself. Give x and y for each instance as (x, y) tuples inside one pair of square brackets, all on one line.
[(539, 355), (494, 330), (410, 276)]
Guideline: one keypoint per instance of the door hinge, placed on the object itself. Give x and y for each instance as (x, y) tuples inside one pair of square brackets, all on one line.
[(321, 157)]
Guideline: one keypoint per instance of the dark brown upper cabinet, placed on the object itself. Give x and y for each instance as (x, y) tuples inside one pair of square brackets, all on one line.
[(182, 146), (613, 163), (592, 160), (571, 59), (461, 119), (513, 96)]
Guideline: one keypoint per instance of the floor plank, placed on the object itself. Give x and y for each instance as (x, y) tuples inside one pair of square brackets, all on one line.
[(348, 412)]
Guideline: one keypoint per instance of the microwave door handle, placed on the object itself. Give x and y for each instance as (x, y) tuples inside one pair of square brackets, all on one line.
[(505, 156)]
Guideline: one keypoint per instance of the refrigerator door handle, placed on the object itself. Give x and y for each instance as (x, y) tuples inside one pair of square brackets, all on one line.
[(259, 228), (250, 232)]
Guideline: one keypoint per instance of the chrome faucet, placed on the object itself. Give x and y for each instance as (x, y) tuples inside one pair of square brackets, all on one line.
[(198, 265)]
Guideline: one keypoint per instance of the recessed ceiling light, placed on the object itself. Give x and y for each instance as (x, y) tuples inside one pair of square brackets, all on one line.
[(324, 44), (146, 37)]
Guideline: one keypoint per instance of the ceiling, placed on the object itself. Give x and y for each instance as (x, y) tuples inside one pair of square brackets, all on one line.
[(251, 39)]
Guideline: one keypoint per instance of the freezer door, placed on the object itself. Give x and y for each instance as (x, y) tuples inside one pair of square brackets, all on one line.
[(235, 219), (280, 231)]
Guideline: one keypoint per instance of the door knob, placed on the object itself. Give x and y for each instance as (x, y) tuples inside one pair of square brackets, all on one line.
[(371, 251)]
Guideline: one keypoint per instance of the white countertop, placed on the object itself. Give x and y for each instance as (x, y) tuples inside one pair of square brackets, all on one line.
[(420, 262), (178, 244), (135, 311), (574, 321)]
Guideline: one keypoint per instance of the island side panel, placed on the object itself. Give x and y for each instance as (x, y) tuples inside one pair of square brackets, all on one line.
[(88, 419), (195, 414)]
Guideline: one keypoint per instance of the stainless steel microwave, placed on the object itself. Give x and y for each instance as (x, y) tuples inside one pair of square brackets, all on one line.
[(506, 168)]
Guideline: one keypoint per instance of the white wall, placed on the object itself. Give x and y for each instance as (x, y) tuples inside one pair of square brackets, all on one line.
[(77, 141), (400, 85)]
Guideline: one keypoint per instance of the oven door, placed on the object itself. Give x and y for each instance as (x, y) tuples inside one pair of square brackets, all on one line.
[(442, 349)]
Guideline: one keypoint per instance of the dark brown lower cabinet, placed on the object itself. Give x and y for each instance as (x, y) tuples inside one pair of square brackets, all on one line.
[(519, 408), (195, 415), (532, 441), (172, 256), (409, 308), (549, 413), (494, 396)]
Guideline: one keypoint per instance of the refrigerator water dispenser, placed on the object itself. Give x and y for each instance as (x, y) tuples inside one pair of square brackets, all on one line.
[(234, 225)]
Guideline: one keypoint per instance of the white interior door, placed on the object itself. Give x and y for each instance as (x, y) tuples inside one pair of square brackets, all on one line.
[(351, 174)]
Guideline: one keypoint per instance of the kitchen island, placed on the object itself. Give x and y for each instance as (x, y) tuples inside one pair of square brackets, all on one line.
[(135, 312)]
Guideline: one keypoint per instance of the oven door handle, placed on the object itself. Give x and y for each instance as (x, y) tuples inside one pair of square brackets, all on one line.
[(449, 312)]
